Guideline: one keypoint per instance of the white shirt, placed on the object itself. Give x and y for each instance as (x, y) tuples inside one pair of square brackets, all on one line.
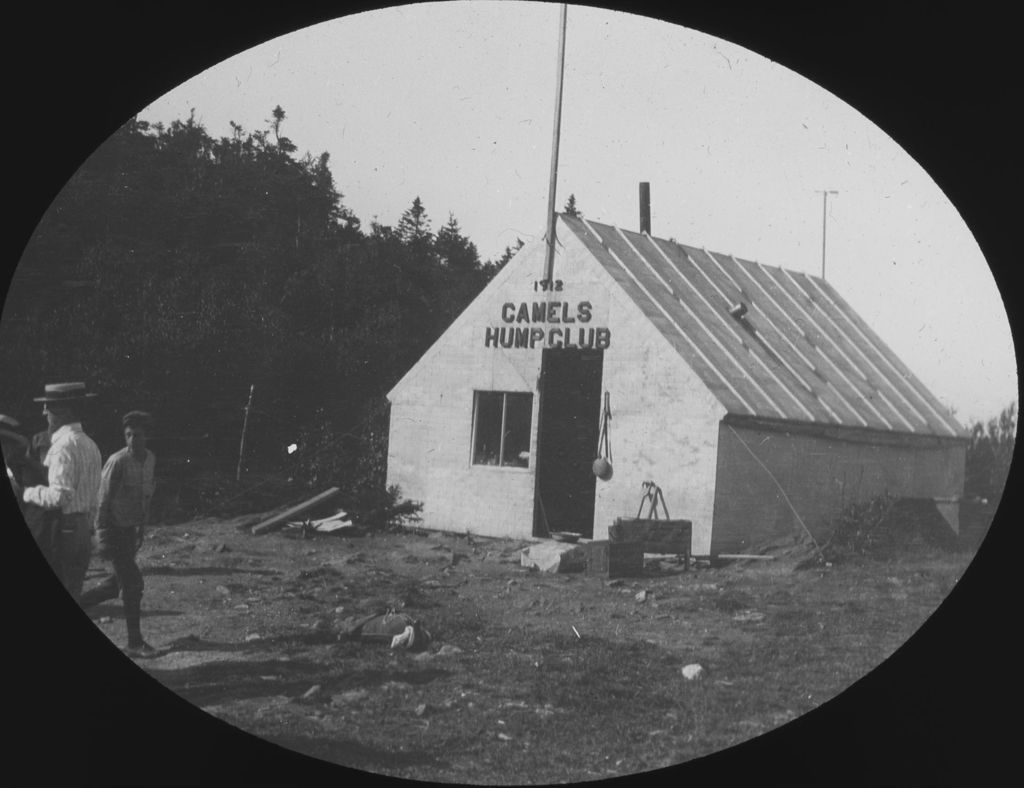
[(73, 465)]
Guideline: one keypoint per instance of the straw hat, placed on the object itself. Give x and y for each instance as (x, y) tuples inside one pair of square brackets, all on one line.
[(64, 392)]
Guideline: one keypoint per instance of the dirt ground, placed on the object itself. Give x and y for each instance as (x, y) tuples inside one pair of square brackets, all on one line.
[(531, 677)]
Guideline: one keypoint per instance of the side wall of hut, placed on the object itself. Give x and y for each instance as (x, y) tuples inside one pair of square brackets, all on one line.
[(821, 473)]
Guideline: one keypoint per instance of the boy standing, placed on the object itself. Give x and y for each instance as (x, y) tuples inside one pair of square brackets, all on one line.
[(126, 488)]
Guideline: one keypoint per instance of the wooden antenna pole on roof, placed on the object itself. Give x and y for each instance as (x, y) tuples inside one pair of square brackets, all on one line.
[(550, 266)]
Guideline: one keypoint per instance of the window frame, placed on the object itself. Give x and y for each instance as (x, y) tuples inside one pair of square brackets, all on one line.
[(504, 421)]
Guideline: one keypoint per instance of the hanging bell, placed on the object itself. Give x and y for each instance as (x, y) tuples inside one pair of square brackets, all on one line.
[(602, 469)]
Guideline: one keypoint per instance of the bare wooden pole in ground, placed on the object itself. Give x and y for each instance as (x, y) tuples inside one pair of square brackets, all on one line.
[(245, 426), (549, 263)]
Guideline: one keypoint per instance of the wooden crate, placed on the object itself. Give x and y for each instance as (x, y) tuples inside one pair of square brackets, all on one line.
[(656, 536), (618, 559)]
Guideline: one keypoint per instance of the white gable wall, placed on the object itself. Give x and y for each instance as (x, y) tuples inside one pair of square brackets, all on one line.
[(429, 448), (664, 426)]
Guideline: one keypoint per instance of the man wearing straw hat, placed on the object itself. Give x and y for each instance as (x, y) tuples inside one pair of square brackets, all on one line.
[(73, 465)]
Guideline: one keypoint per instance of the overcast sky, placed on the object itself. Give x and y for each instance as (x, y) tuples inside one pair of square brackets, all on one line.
[(453, 102)]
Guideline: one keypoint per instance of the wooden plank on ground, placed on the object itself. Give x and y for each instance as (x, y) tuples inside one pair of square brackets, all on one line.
[(279, 520)]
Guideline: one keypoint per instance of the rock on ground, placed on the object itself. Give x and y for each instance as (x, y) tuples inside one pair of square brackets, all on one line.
[(554, 557), (693, 671)]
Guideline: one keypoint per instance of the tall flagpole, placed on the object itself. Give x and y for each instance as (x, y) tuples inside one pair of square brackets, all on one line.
[(541, 526), (549, 268)]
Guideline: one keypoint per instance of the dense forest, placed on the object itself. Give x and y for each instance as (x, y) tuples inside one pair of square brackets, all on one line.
[(176, 270)]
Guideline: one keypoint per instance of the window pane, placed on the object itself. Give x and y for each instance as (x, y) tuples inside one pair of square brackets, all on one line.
[(487, 443), (517, 430)]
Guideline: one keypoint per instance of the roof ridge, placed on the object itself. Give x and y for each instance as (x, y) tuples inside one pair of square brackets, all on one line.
[(853, 380)]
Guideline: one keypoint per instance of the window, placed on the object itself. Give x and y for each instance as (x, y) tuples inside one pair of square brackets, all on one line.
[(501, 428)]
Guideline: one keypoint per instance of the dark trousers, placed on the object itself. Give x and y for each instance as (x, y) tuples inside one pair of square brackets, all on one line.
[(118, 546), (72, 549), (45, 529)]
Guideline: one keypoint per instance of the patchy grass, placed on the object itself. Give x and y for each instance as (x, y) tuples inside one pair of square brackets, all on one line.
[(532, 678)]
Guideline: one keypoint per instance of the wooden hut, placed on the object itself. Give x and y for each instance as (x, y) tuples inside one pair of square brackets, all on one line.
[(752, 395)]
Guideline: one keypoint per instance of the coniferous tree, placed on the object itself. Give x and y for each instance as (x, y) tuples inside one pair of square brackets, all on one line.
[(414, 226), (455, 250)]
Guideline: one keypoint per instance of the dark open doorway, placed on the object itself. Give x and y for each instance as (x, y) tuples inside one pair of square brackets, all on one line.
[(568, 429)]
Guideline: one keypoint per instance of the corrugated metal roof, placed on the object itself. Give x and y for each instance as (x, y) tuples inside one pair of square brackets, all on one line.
[(800, 352)]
